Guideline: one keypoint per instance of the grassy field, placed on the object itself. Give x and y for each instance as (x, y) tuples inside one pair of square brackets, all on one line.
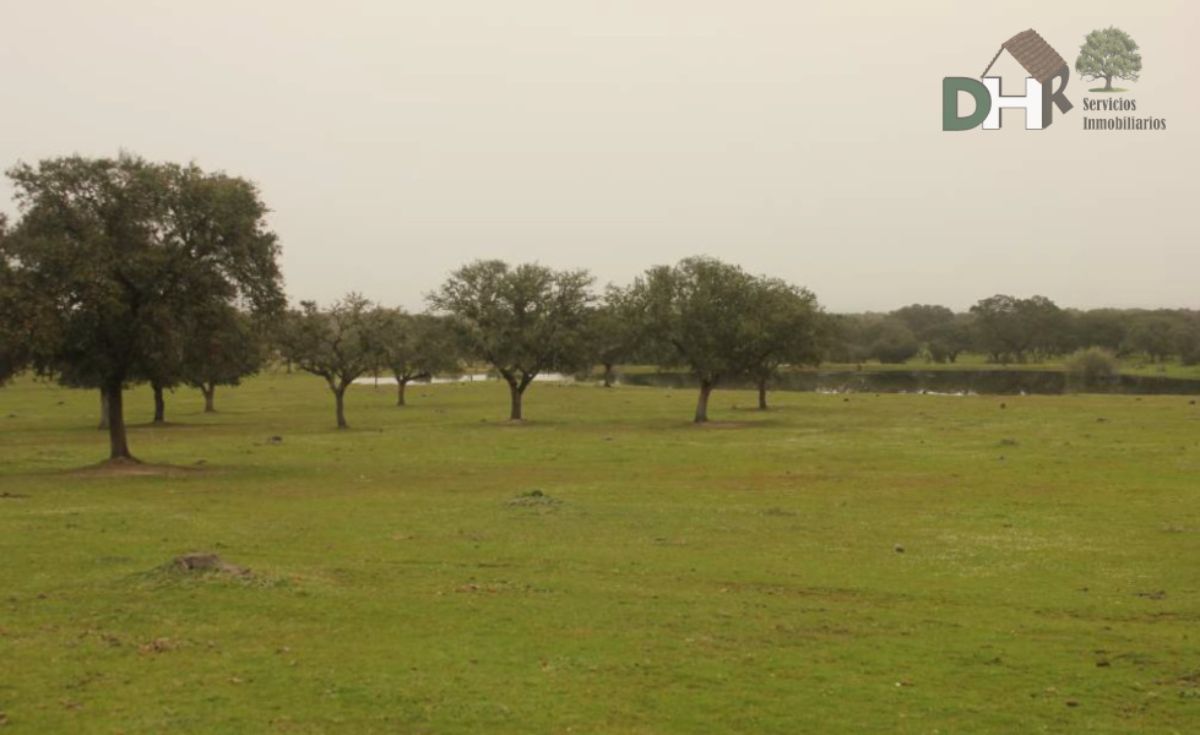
[(901, 563)]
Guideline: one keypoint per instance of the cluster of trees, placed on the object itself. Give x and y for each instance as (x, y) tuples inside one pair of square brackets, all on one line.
[(122, 271), (353, 337), (522, 321), (1008, 329)]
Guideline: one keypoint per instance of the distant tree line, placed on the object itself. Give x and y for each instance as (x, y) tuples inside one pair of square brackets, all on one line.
[(1008, 329), (122, 271)]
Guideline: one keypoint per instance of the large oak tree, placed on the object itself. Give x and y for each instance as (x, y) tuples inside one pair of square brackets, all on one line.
[(119, 252)]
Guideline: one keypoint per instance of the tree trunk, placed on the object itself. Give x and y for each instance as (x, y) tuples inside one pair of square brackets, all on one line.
[(401, 384), (160, 406), (702, 404), (1108, 83), (339, 395), (103, 410), (117, 441), (210, 393), (608, 375), (762, 394), (515, 392)]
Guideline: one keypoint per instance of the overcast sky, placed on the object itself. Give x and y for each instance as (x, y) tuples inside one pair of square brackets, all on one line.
[(396, 140)]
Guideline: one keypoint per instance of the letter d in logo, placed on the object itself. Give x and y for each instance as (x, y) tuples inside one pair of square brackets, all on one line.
[(951, 86)]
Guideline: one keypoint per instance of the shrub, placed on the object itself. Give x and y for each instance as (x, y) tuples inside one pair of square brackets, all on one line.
[(1093, 366), (893, 342)]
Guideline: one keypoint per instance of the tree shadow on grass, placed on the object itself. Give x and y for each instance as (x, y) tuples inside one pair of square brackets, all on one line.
[(133, 468), (181, 425), (538, 423), (717, 424), (775, 408), (712, 425), (164, 425)]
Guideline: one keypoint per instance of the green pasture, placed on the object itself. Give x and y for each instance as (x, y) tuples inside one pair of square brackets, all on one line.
[(839, 564)]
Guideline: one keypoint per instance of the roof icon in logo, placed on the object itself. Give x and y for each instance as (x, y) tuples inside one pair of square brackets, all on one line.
[(1032, 52)]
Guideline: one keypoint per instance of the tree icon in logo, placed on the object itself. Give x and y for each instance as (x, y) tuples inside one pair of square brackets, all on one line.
[(1108, 53)]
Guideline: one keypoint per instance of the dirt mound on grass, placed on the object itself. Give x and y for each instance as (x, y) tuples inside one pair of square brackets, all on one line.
[(205, 562), (534, 498)]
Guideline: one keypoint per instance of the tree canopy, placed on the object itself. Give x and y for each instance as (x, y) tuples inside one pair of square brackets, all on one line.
[(339, 344), (614, 333), (522, 320), (695, 316), (1010, 329), (416, 347), (784, 329), (923, 319), (15, 327), (1109, 53), (223, 346), (117, 253)]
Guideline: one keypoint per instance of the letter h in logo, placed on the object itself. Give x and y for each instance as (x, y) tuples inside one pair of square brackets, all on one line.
[(1031, 103)]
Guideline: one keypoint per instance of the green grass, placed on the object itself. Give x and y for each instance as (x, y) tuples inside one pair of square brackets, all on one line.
[(739, 577), (1108, 91)]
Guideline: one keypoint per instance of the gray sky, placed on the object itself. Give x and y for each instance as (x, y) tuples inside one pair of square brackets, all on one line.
[(396, 140)]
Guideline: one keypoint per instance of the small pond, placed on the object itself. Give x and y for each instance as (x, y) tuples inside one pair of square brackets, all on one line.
[(946, 382), (473, 378)]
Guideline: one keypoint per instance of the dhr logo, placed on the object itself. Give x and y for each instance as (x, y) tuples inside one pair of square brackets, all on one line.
[(1045, 68)]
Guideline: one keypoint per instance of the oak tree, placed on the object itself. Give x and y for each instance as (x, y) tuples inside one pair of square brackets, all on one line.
[(614, 332), (223, 346), (339, 344), (523, 320), (118, 252), (696, 316), (783, 329), (416, 347)]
